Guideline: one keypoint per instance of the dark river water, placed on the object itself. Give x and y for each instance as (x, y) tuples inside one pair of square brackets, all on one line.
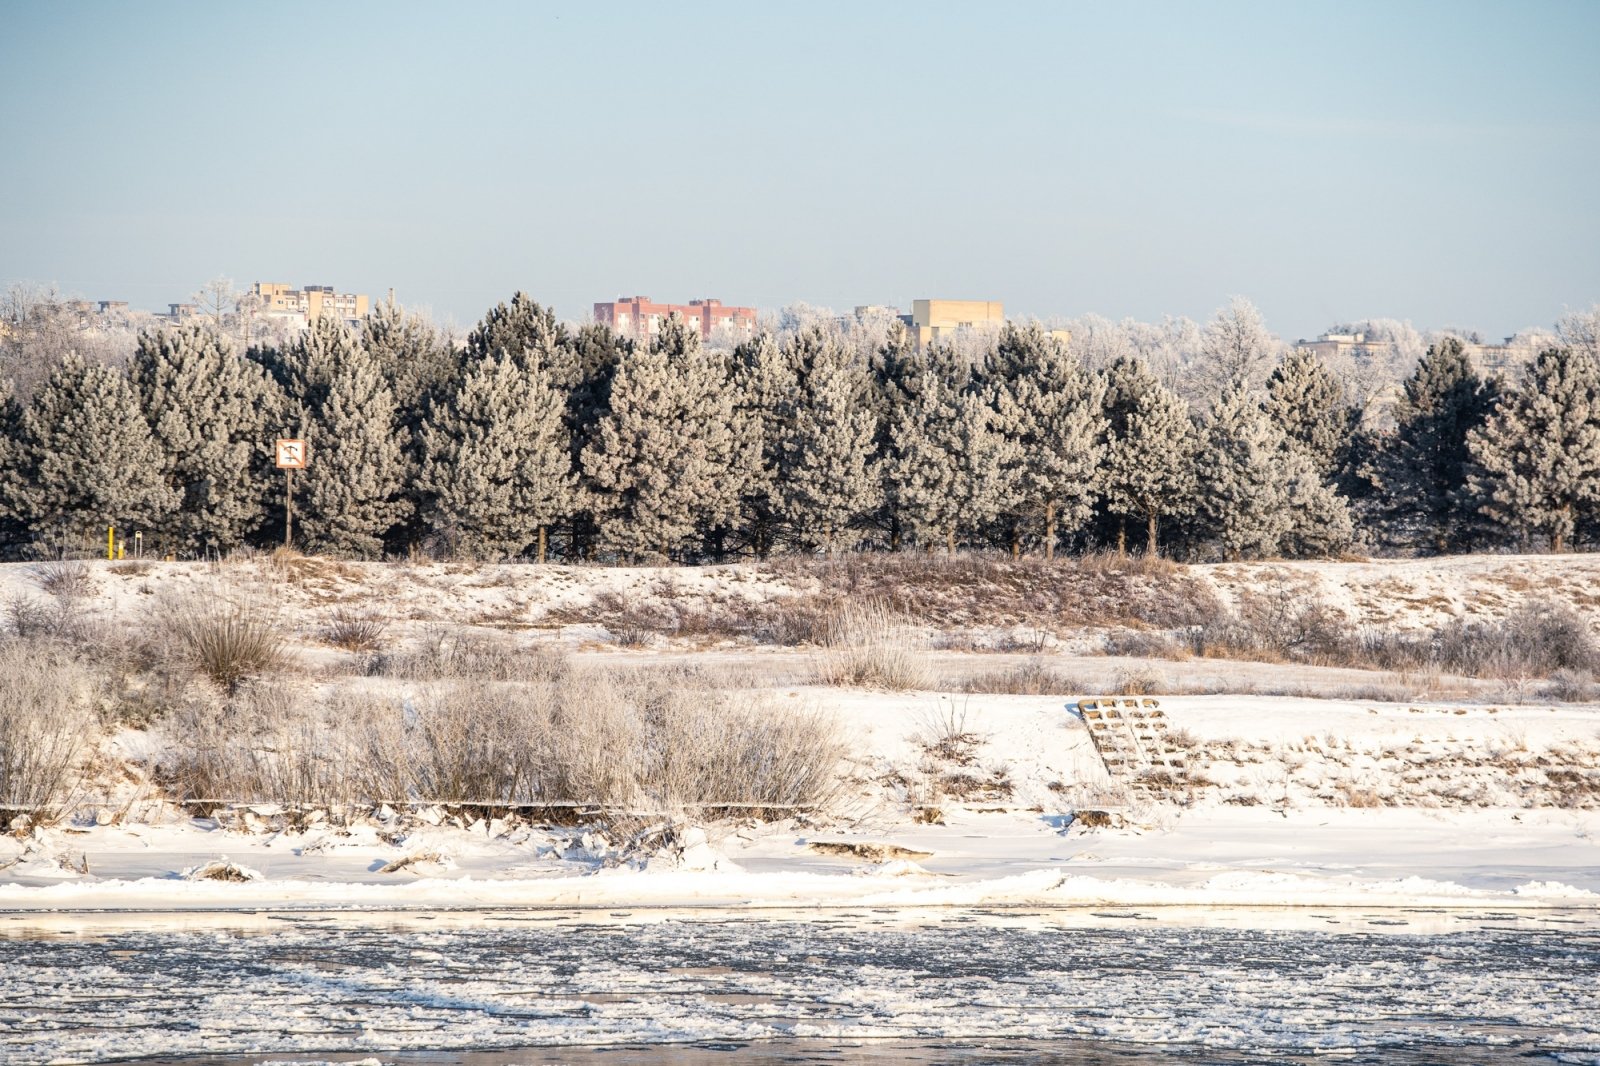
[(688, 988)]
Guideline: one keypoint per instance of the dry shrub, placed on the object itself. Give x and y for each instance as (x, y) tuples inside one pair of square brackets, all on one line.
[(1034, 677), (355, 631), (264, 744), (221, 869), (795, 621), (1366, 798), (1138, 682), (446, 653), (1572, 686), (60, 619), (67, 579), (1272, 628), (1182, 740), (1140, 563), (227, 641), (46, 718), (945, 735), (869, 645), (648, 739), (1144, 644), (1539, 639), (993, 786)]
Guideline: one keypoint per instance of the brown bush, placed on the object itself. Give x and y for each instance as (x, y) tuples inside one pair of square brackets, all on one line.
[(229, 642), (353, 631), (1034, 677)]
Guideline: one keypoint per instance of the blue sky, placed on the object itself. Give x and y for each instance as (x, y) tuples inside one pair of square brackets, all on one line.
[(1430, 161)]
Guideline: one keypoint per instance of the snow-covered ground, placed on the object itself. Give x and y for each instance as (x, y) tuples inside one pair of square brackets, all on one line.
[(1287, 799), (1464, 815)]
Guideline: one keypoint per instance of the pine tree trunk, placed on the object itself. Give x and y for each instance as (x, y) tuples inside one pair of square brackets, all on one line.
[(1151, 549), (950, 540), (1050, 530), (1122, 537), (543, 543), (1558, 539), (827, 534)]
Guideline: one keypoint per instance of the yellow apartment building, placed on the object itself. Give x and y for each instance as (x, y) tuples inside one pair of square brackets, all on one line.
[(307, 305), (932, 319)]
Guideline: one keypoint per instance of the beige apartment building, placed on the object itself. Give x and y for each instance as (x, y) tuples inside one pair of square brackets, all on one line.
[(931, 319), (301, 307)]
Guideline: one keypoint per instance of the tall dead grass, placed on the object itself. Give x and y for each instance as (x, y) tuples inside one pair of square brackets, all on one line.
[(654, 740), (869, 645), (1540, 639), (223, 639), (47, 717), (450, 652)]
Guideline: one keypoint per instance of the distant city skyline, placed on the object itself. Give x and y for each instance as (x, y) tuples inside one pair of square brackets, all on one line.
[(1424, 161)]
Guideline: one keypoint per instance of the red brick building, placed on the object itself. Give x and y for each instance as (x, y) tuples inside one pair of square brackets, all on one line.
[(638, 317)]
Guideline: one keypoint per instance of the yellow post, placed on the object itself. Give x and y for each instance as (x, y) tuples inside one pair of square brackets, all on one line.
[(122, 547), (111, 542)]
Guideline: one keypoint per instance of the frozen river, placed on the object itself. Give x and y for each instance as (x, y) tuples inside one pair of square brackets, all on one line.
[(691, 987)]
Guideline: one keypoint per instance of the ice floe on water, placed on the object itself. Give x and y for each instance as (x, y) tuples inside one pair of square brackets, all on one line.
[(320, 983)]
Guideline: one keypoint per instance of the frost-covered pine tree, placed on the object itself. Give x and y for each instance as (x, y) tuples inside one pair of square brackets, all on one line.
[(1051, 410), (422, 369), (662, 459), (830, 483), (986, 464), (596, 354), (214, 415), (418, 364), (306, 366), (763, 387), (523, 326), (1537, 457), (1421, 474), (1307, 403), (1242, 499), (922, 471), (495, 472), (809, 349), (85, 460), (897, 371), (1319, 519), (348, 498), (11, 526), (1150, 471)]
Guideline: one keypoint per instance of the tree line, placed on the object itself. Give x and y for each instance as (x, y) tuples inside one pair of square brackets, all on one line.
[(538, 440)]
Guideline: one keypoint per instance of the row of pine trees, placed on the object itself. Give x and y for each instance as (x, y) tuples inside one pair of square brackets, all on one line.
[(535, 440)]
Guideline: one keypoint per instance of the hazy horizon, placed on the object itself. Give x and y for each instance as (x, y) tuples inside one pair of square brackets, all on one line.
[(1430, 162)]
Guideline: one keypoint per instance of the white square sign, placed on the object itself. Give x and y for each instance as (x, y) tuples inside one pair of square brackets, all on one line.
[(291, 453)]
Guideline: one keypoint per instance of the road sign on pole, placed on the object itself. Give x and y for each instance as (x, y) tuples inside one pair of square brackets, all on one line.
[(291, 455)]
